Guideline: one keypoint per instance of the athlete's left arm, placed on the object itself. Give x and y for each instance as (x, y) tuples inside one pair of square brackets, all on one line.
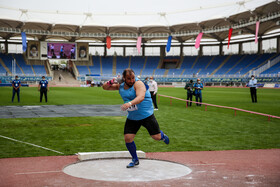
[(140, 90)]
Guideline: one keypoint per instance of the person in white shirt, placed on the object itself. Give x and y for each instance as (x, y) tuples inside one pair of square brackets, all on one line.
[(153, 91), (253, 88)]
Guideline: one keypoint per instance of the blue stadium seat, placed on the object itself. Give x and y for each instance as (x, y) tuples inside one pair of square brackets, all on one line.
[(39, 69), (137, 64), (107, 65), (83, 70), (122, 63), (27, 69), (95, 69)]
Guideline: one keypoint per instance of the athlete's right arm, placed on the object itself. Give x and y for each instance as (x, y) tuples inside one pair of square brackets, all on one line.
[(110, 85)]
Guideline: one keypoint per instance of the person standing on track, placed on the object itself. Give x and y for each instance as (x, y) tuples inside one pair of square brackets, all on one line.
[(253, 88), (138, 103), (153, 91), (43, 87), (16, 84)]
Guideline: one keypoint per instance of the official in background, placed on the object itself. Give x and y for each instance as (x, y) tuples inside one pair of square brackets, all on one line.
[(16, 84), (189, 88), (153, 88), (253, 88), (43, 87), (198, 86)]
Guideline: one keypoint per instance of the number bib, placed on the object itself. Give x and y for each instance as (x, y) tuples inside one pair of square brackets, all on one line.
[(132, 108)]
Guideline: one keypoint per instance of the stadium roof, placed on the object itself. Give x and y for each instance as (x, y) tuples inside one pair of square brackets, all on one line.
[(215, 26)]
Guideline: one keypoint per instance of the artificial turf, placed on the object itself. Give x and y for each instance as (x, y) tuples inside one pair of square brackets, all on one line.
[(189, 129)]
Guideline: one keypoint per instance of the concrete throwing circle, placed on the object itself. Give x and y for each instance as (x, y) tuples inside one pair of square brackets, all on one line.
[(115, 170)]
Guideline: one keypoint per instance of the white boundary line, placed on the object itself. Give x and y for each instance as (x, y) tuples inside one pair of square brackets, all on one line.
[(38, 172), (31, 144)]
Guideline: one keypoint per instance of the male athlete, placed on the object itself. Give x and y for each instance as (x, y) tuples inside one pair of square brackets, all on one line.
[(138, 102)]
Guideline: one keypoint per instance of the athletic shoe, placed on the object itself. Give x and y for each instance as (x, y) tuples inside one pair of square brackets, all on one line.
[(133, 163), (156, 109), (165, 138)]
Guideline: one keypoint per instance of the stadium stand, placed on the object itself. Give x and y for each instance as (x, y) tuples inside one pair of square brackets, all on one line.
[(272, 70), (95, 69), (212, 65), (83, 70), (39, 70), (7, 59), (107, 65), (227, 65), (187, 64), (2, 70), (27, 69), (137, 64), (122, 63), (230, 63), (151, 64)]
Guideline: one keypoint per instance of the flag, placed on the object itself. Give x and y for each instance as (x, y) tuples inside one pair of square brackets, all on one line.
[(197, 40), (108, 41), (257, 30), (24, 43), (138, 45), (229, 36), (168, 45)]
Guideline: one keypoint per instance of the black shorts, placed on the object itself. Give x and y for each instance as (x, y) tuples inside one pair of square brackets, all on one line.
[(150, 123)]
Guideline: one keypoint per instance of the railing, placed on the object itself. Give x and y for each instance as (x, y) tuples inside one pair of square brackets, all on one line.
[(266, 66), (219, 106)]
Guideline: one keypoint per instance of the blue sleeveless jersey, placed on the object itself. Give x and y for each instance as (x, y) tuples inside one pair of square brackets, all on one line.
[(144, 109)]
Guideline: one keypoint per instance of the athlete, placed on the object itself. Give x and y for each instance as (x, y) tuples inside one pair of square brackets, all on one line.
[(138, 102)]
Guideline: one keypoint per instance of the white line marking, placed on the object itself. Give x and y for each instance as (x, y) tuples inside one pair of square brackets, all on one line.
[(213, 164), (38, 172), (31, 144)]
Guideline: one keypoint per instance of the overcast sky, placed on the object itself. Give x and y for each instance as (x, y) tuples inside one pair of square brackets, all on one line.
[(124, 12)]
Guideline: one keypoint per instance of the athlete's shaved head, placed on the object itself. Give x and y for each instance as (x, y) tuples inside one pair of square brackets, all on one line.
[(128, 71)]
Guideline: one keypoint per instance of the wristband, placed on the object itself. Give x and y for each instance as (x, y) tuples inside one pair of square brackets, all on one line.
[(110, 82), (130, 103)]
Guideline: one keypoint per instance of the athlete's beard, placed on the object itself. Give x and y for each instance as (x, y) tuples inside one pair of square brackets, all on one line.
[(128, 84)]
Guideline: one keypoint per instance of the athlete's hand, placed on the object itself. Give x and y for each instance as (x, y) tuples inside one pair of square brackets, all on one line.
[(125, 106), (111, 82)]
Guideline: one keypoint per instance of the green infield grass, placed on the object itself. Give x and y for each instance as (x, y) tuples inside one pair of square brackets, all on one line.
[(189, 129)]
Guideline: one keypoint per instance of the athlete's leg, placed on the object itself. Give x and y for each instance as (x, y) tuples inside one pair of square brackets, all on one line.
[(130, 130), (151, 124)]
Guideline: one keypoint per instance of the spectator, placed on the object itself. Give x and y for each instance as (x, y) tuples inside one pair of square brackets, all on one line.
[(189, 88), (198, 86), (153, 91), (146, 81), (253, 88)]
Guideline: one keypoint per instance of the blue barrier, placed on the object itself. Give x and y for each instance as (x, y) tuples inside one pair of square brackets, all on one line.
[(10, 84), (9, 79)]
